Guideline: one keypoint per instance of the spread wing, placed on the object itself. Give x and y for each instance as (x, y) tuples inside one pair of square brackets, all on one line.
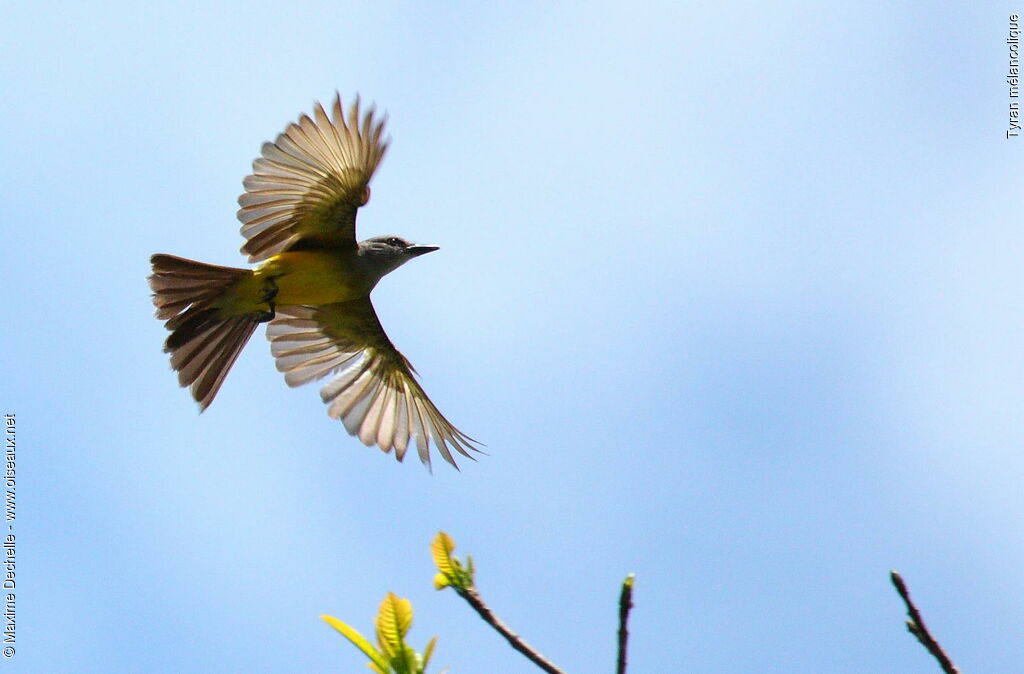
[(308, 184), (374, 393)]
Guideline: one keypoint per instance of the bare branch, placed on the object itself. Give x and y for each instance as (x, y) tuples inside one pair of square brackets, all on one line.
[(917, 627), (473, 597), (625, 604)]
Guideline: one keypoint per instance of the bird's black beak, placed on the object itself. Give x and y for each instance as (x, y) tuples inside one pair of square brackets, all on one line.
[(418, 249)]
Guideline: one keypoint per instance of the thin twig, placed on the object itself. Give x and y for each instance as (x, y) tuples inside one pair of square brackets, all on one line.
[(917, 627), (625, 604), (473, 597)]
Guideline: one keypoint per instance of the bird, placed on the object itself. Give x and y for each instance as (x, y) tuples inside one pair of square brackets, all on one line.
[(311, 287)]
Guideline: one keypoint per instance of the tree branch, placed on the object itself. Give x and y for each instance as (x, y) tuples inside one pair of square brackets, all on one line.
[(625, 604), (473, 597), (917, 627)]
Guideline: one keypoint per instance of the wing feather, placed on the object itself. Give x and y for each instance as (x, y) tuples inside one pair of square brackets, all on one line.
[(308, 184), (374, 392)]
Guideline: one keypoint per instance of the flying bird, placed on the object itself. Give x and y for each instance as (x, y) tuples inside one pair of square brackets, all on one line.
[(312, 288)]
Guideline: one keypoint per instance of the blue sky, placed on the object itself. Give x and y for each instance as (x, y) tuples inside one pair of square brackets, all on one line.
[(731, 292)]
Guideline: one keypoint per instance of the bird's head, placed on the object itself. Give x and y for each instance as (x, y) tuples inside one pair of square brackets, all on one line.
[(387, 253)]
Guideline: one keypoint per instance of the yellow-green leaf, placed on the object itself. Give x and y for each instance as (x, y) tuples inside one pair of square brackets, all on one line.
[(359, 641), (393, 621), (441, 548), (428, 652), (441, 581)]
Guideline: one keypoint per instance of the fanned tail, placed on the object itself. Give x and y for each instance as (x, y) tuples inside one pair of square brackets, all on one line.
[(203, 345)]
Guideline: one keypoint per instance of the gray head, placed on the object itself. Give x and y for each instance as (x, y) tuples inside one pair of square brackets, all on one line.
[(387, 253)]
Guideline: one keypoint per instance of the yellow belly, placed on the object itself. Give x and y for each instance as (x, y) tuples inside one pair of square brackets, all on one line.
[(313, 277)]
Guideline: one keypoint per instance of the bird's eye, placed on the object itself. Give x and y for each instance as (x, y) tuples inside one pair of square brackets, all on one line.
[(396, 242)]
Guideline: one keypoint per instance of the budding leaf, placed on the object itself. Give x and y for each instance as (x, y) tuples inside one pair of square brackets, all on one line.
[(359, 641), (428, 652), (393, 621), (441, 548)]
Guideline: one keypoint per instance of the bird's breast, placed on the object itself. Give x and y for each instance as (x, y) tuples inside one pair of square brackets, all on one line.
[(315, 277)]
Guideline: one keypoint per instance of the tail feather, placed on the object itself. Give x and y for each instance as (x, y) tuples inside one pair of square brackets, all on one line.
[(177, 282), (222, 344), (203, 344)]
